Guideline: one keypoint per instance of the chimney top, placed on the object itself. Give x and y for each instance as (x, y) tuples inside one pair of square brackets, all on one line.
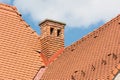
[(49, 20)]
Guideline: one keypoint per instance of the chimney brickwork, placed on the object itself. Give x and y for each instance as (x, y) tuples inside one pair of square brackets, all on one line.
[(52, 37)]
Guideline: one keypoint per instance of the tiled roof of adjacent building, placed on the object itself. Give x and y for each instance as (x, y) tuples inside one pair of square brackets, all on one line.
[(18, 45), (95, 56)]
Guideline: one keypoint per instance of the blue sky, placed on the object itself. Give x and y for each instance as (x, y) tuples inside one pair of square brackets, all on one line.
[(81, 16)]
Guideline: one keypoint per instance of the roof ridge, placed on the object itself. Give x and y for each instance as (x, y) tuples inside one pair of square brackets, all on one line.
[(14, 10), (27, 25), (101, 28), (72, 46), (9, 8), (5, 4)]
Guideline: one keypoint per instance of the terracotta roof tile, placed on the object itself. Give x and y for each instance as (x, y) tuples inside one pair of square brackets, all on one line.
[(91, 58), (18, 44)]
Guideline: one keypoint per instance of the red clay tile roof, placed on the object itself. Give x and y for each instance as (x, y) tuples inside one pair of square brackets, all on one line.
[(18, 45), (93, 57)]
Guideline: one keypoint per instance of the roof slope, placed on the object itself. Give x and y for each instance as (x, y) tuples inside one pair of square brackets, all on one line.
[(92, 57), (18, 45)]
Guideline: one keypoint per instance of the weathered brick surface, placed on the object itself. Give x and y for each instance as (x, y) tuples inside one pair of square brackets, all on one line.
[(91, 58), (51, 43), (18, 44)]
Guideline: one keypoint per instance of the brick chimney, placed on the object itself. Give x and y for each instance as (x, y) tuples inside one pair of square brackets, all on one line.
[(52, 37)]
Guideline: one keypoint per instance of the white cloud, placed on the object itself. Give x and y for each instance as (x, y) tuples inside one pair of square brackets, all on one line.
[(73, 12)]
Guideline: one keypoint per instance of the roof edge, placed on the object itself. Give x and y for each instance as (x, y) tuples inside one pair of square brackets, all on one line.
[(10, 6), (99, 29)]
